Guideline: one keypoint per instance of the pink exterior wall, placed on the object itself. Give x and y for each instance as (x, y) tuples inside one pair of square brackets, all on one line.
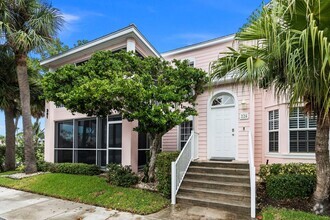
[(170, 140), (259, 103)]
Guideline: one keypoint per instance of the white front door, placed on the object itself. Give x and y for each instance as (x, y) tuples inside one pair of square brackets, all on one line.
[(222, 128)]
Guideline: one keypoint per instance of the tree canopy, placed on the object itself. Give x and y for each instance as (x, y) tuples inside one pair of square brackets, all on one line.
[(156, 93)]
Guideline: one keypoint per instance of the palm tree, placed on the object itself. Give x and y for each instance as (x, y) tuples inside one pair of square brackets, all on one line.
[(285, 46), (27, 25), (9, 96), (9, 99)]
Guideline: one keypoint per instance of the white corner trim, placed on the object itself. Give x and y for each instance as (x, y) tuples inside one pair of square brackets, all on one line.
[(199, 45)]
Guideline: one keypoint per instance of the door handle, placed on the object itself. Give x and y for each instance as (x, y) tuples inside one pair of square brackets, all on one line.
[(232, 129)]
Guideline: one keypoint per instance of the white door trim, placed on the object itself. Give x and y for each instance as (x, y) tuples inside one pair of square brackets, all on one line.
[(209, 107)]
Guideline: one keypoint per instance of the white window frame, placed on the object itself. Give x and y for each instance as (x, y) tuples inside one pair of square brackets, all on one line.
[(273, 120), (190, 119), (300, 129), (112, 148)]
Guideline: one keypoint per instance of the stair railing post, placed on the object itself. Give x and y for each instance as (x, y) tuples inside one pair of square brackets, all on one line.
[(173, 183), (192, 145)]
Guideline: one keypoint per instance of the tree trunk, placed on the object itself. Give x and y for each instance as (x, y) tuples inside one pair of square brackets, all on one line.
[(10, 161), (24, 89), (321, 194), (154, 150)]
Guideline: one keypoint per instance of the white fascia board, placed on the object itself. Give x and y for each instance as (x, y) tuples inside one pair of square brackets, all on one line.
[(100, 41), (198, 46), (145, 42), (86, 46)]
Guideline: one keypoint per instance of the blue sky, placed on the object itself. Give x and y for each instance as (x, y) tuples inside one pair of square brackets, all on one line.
[(166, 24)]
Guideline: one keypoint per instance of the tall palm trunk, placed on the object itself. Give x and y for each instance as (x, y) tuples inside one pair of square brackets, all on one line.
[(321, 194), (154, 149), (24, 89), (10, 140)]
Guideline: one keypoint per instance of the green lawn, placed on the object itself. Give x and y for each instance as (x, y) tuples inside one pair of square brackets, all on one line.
[(285, 214), (90, 190)]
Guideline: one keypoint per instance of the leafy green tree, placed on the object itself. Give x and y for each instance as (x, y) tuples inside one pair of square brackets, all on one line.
[(27, 25), (285, 46), (80, 43), (55, 47), (150, 90)]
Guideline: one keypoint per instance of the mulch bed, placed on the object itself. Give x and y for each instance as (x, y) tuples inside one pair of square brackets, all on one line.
[(302, 204)]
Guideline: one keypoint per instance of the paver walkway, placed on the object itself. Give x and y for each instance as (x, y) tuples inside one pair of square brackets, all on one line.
[(19, 205)]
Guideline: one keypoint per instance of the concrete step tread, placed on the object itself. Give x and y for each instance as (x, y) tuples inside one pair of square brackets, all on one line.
[(234, 204), (203, 190), (217, 182), (219, 168), (219, 175)]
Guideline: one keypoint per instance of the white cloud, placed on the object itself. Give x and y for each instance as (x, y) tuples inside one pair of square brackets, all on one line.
[(69, 18)]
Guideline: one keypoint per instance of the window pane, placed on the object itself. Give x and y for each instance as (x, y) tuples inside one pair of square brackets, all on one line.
[(85, 156), (142, 141), (64, 134), (114, 118), (86, 133), (312, 122), (302, 122), (63, 156), (114, 156), (142, 157), (102, 158), (102, 133), (115, 135), (293, 122)]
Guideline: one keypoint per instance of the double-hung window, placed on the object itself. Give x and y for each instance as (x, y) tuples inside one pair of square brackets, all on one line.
[(185, 132), (273, 128), (302, 132)]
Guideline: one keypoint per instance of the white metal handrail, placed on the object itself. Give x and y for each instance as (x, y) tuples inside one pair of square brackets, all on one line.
[(181, 165), (252, 177)]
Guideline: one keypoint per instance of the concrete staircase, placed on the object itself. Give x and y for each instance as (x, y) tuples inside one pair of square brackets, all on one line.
[(218, 185)]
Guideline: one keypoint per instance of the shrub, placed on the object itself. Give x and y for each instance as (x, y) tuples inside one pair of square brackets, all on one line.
[(119, 175), (287, 186), (2, 158), (289, 168), (76, 168), (163, 171), (46, 166)]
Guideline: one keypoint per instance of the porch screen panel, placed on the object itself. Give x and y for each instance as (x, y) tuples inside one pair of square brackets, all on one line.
[(114, 140), (64, 142), (143, 149)]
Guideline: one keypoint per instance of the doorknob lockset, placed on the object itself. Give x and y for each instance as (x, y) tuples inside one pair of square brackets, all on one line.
[(232, 129)]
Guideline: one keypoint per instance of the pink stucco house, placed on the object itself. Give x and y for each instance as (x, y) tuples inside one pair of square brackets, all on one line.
[(279, 136), (227, 113)]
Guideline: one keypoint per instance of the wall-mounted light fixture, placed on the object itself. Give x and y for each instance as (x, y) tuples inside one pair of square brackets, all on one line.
[(243, 104), (47, 113)]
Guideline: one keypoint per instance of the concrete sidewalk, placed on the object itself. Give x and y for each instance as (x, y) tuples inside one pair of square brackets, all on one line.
[(18, 205)]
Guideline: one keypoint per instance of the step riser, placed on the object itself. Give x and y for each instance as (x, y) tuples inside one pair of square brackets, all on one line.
[(221, 165), (243, 212), (215, 171), (215, 196), (217, 178), (230, 188)]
